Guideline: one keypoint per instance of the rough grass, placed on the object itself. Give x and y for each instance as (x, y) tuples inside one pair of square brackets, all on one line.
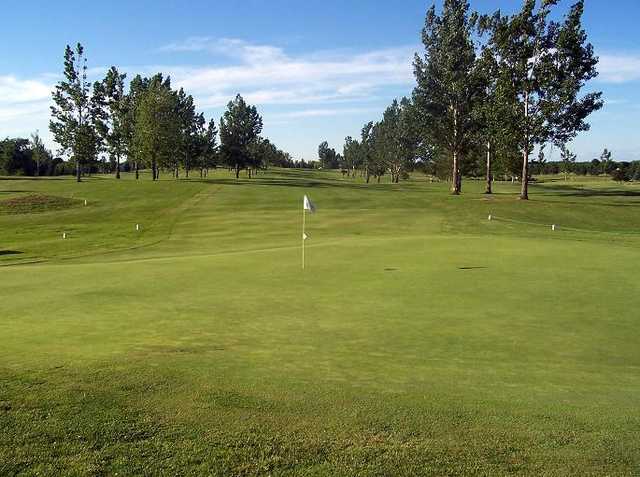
[(35, 203), (421, 339)]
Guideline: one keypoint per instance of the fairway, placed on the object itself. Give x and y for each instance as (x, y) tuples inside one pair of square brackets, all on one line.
[(421, 339)]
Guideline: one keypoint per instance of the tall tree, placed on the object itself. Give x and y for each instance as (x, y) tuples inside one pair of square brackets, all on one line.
[(448, 85), (495, 112), (545, 64), (157, 129), (568, 160), (366, 148), (395, 144), (73, 114), (113, 121), (39, 153), (137, 88), (189, 122), (327, 156), (352, 153), (206, 150), (240, 127)]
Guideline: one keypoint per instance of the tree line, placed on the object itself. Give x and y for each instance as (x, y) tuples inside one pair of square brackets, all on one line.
[(491, 89), (150, 124)]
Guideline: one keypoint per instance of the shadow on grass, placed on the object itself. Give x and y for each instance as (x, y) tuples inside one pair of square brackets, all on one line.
[(10, 252), (570, 190)]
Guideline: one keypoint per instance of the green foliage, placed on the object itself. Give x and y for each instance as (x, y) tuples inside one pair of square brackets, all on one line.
[(327, 156), (449, 84), (74, 113), (157, 130), (114, 124), (240, 128), (544, 66)]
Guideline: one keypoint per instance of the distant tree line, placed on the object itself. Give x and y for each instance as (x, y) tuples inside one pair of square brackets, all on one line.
[(491, 90), (149, 124), (28, 157)]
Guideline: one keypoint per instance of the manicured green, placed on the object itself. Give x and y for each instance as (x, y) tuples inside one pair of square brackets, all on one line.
[(422, 339)]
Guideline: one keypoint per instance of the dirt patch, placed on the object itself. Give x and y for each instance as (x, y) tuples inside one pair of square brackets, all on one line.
[(35, 203)]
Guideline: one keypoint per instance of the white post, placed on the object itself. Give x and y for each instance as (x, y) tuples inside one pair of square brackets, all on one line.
[(85, 201), (137, 226), (490, 218), (303, 231), (553, 227), (64, 235)]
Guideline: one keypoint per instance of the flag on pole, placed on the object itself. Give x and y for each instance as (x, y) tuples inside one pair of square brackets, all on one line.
[(304, 236), (308, 205)]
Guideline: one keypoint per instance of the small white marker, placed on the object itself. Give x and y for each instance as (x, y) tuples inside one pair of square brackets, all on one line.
[(85, 201), (64, 235), (490, 218), (553, 227), (137, 226)]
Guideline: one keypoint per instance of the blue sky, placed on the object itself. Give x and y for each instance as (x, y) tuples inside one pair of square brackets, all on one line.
[(316, 69)]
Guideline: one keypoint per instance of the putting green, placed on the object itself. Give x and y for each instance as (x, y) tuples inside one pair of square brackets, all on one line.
[(421, 339)]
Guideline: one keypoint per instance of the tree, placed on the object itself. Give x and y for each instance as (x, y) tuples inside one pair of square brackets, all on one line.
[(189, 122), (395, 143), (327, 156), (207, 146), (137, 88), (113, 120), (607, 164), (568, 159), (494, 112), (448, 84), (39, 153), (367, 141), (240, 127), (157, 132), (545, 65), (352, 153), (73, 112)]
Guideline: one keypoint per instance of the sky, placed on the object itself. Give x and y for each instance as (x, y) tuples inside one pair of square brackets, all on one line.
[(316, 69)]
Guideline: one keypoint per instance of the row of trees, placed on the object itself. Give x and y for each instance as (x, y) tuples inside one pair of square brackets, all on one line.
[(28, 157), (151, 125), (494, 86)]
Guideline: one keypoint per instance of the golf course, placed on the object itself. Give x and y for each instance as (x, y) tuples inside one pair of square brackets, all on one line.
[(173, 330)]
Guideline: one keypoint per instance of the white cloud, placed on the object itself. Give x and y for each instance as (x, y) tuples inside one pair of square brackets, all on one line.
[(24, 107), (619, 68), (14, 90), (265, 74), (323, 112), (318, 84)]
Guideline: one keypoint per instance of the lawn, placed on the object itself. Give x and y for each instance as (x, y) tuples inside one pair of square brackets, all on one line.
[(421, 339)]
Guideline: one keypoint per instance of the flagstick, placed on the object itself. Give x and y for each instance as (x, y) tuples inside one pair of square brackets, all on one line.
[(303, 227)]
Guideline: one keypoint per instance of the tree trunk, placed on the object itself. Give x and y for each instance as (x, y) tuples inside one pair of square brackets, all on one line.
[(455, 179), (489, 173), (78, 171), (524, 192), (137, 170), (117, 167), (368, 177), (237, 171)]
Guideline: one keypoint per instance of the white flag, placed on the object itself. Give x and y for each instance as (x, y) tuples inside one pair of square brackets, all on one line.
[(308, 205), (304, 236)]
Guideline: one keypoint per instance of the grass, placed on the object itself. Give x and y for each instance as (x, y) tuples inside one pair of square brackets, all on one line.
[(421, 339)]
